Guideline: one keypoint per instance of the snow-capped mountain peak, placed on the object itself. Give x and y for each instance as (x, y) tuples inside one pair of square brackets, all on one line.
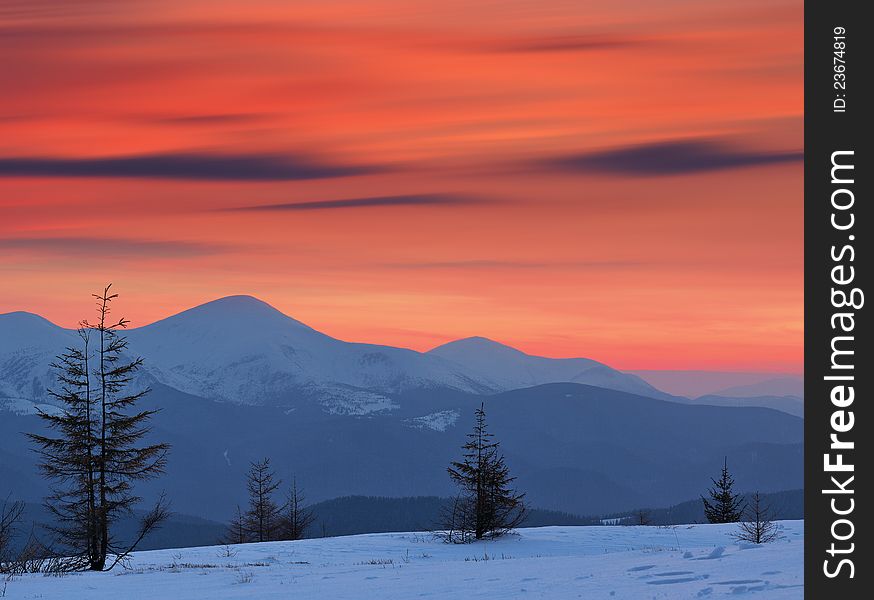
[(231, 312), (508, 368), (21, 329), (475, 346), (241, 349)]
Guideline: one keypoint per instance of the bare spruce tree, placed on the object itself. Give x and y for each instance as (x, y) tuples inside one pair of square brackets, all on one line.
[(757, 525), (487, 506), (97, 451), (10, 516), (724, 505), (236, 531), (262, 516), (458, 521), (296, 516)]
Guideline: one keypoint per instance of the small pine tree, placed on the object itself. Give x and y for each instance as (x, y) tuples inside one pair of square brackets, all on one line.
[(488, 506), (757, 525), (262, 517), (236, 531), (296, 516), (97, 454), (724, 505), (457, 520)]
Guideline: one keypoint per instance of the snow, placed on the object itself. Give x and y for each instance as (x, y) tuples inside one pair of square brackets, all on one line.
[(24, 330), (610, 563), (28, 344), (505, 368), (355, 402), (22, 407), (437, 421), (240, 349)]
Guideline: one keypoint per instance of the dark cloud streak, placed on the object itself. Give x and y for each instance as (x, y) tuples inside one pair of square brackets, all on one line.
[(672, 157), (372, 201), (111, 247), (32, 9), (209, 167), (210, 119), (567, 43)]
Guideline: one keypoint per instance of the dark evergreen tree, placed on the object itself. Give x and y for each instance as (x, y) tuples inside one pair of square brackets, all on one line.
[(757, 525), (237, 531), (724, 505), (97, 453), (262, 517), (487, 505), (70, 459), (296, 516)]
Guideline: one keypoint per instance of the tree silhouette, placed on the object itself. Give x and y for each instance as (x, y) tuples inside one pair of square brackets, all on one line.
[(487, 505), (262, 516), (296, 517), (757, 525), (724, 505), (236, 532), (96, 455)]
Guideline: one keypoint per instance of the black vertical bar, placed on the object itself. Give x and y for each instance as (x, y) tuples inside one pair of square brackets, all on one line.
[(838, 222)]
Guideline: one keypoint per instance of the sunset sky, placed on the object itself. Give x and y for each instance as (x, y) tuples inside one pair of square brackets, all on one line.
[(619, 180)]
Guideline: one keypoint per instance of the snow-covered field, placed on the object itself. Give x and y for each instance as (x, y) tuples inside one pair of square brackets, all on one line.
[(611, 562)]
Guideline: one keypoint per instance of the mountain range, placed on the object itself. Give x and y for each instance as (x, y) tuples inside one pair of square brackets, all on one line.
[(236, 380), (239, 349), (733, 384)]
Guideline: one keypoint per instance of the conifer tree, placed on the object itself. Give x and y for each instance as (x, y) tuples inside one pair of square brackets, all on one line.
[(487, 505), (296, 516), (96, 454), (262, 517), (757, 525), (236, 531), (724, 505)]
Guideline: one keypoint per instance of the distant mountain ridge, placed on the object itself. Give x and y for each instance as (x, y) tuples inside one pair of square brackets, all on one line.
[(509, 368), (733, 384), (242, 350), (574, 448), (778, 386), (792, 405)]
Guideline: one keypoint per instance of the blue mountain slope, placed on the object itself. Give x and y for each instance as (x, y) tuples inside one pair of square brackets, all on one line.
[(575, 448)]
